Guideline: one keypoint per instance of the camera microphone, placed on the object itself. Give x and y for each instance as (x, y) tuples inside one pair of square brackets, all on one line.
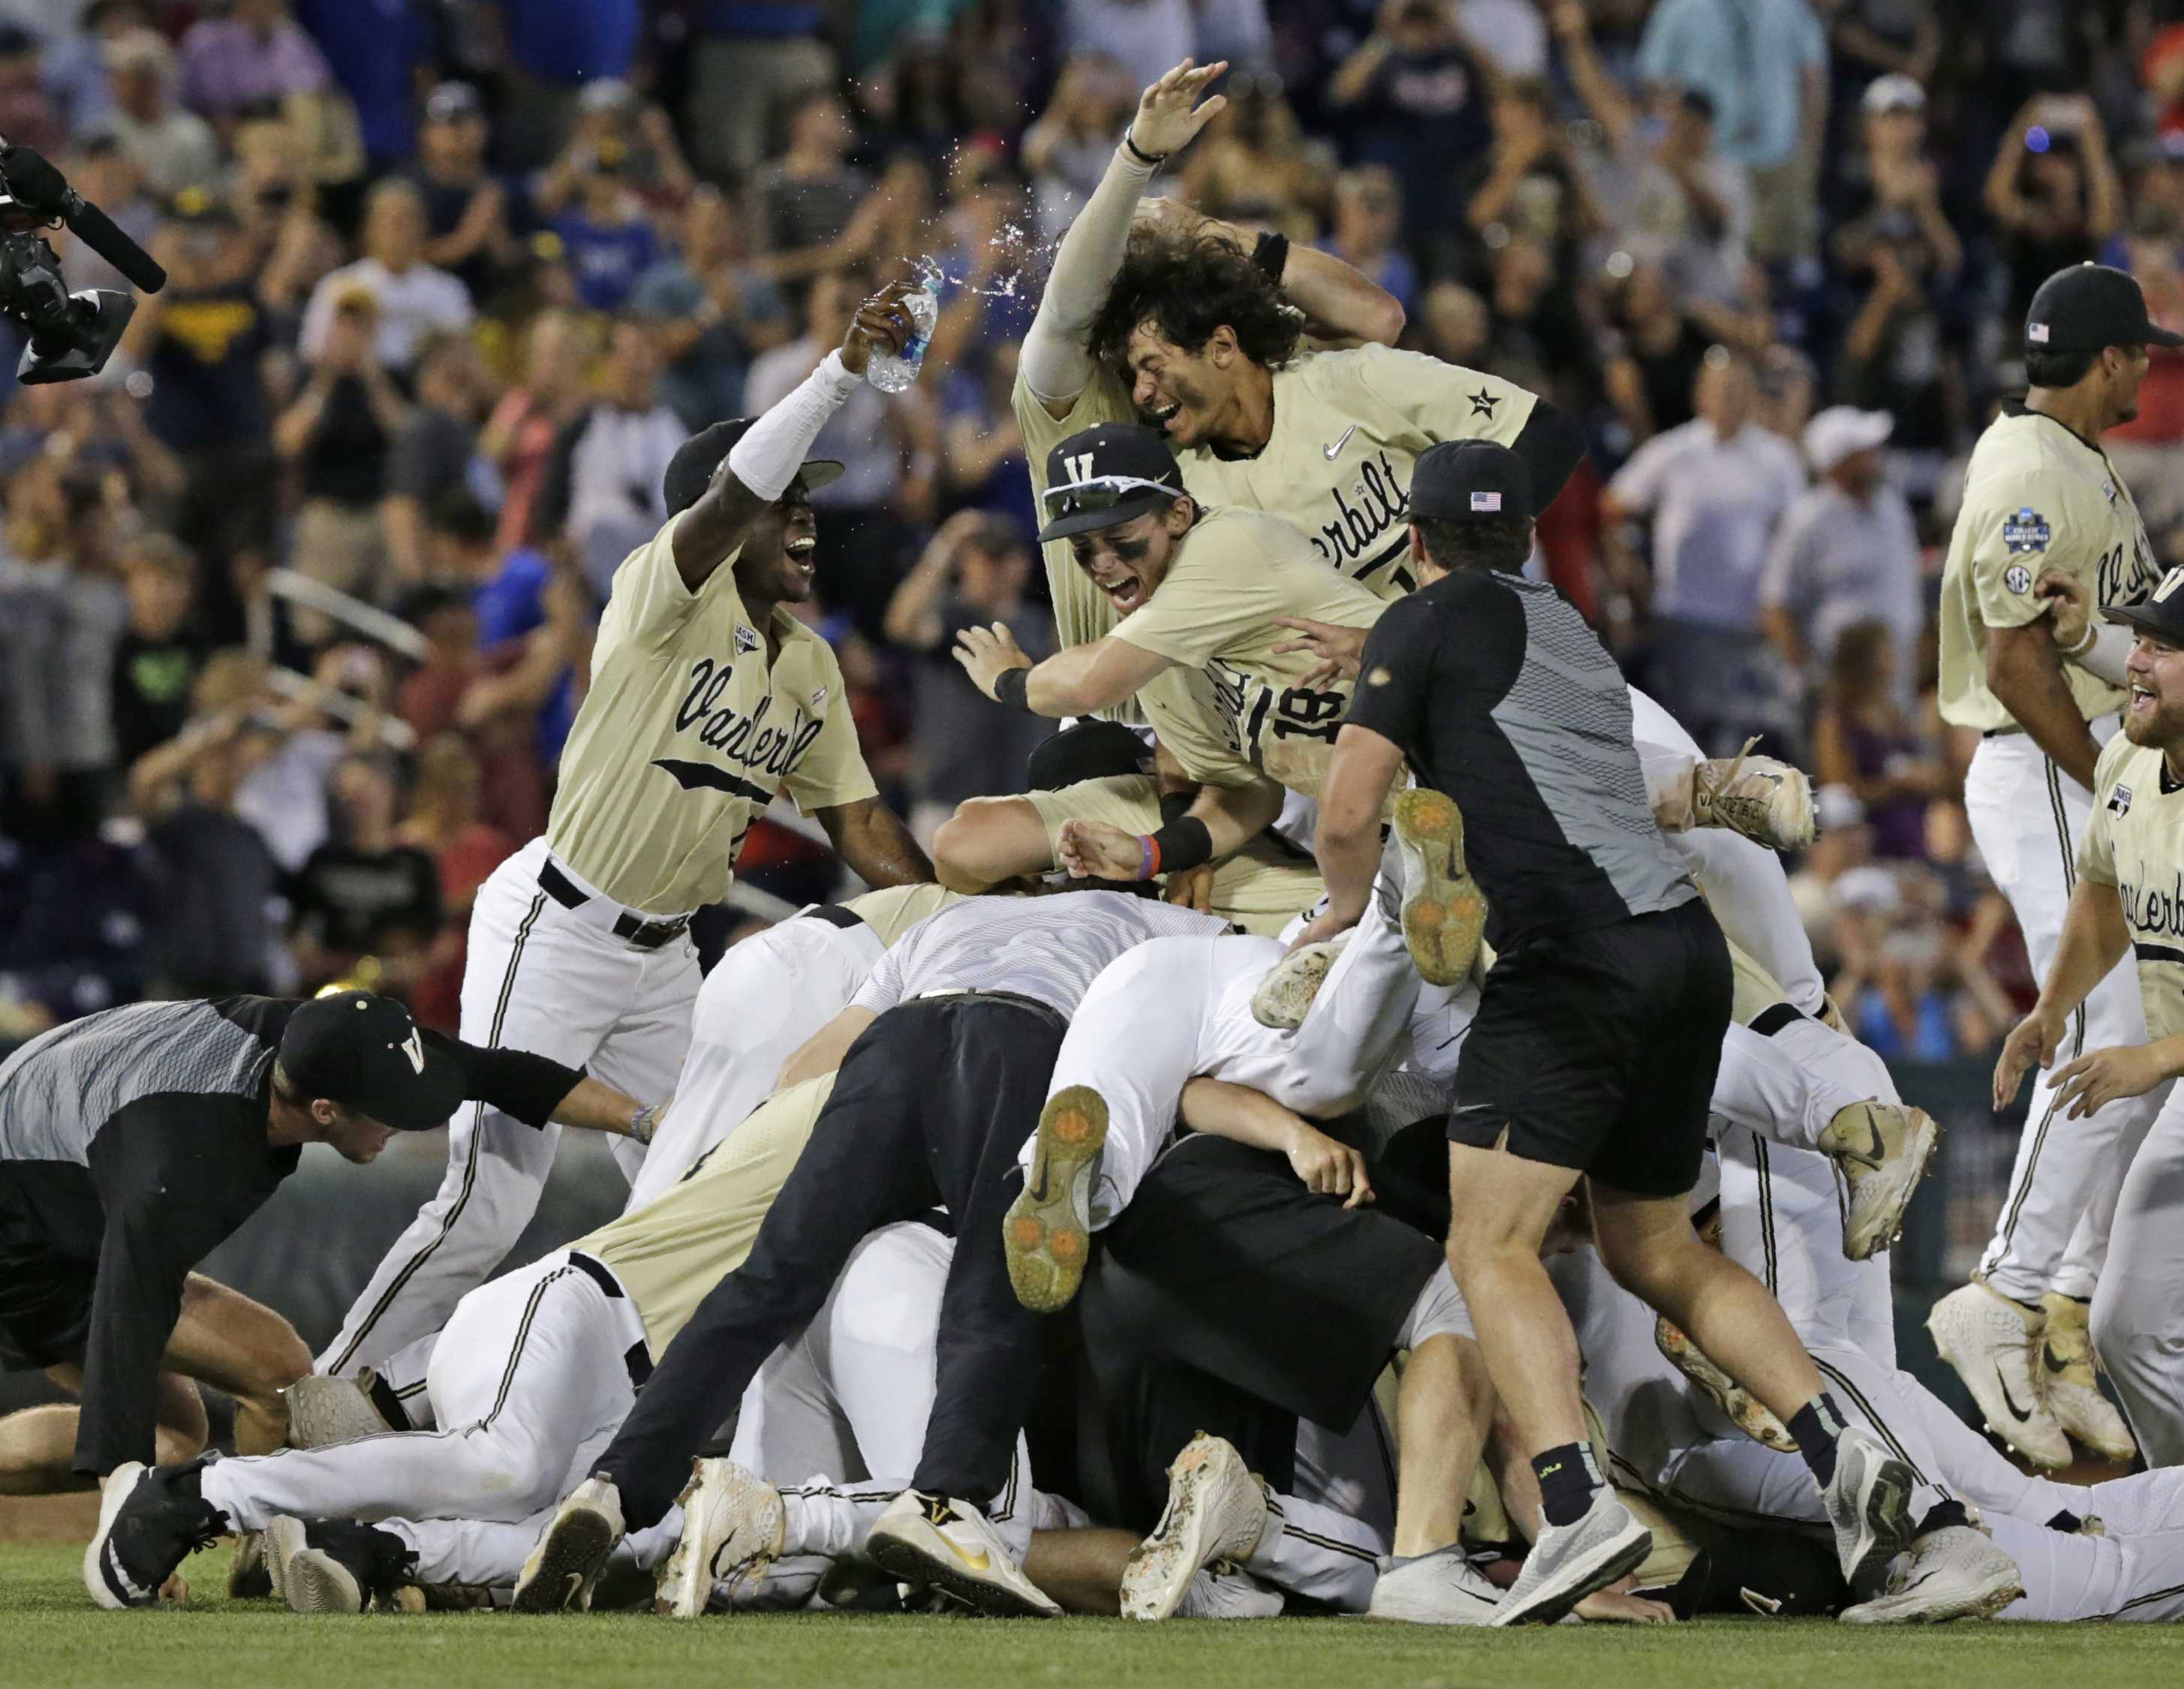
[(43, 192)]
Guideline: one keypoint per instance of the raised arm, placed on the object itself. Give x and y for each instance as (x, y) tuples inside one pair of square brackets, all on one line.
[(872, 839), (1076, 682)]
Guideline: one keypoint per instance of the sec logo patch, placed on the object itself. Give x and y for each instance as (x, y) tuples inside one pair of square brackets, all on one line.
[(2018, 578)]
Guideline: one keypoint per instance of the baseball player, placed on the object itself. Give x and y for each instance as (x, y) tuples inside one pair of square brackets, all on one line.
[(708, 696), (2040, 495), (2126, 903)]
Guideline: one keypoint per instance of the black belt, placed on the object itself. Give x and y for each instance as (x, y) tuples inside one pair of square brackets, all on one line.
[(835, 914), (1774, 1017), (645, 935), (2000, 732), (638, 1360), (1014, 999)]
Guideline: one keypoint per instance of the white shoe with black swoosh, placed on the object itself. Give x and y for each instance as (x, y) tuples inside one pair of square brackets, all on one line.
[(1994, 1344), (1882, 1149), (733, 1526), (1570, 1562), (948, 1545), (559, 1574), (1440, 1588), (1954, 1572), (1868, 1502), (1216, 1510)]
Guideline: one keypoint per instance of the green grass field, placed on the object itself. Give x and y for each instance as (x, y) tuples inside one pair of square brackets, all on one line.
[(51, 1637)]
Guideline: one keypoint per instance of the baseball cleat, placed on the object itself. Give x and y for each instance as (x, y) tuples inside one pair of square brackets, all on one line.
[(1952, 1572), (1444, 910), (323, 1411), (1440, 1588), (1766, 799), (559, 1574), (1222, 1591), (250, 1570), (1286, 995), (338, 1566), (1216, 1510), (1868, 1502), (1570, 1562), (150, 1520), (2071, 1385), (1995, 1345), (1744, 1410), (1882, 1150), (733, 1527), (948, 1546), (1047, 1232)]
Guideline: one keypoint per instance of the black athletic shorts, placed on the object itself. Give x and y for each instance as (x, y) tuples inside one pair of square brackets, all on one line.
[(1597, 1050), (45, 1307)]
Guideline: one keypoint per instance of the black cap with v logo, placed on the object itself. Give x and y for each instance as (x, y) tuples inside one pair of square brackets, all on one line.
[(365, 1052)]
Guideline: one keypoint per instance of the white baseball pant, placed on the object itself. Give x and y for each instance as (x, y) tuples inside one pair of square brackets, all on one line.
[(556, 982), (762, 1000), (531, 1378), (2028, 819), (2139, 1311)]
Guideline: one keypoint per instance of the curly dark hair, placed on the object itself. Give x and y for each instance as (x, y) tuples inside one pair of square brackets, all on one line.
[(1185, 287)]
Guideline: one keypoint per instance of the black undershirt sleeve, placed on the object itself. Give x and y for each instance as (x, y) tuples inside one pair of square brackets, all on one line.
[(1395, 672), (527, 1087), (1552, 445)]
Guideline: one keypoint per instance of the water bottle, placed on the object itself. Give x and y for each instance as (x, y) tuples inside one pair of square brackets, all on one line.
[(894, 372)]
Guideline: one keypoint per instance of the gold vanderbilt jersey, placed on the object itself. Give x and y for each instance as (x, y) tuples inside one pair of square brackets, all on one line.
[(2037, 496), (893, 910), (1348, 426), (687, 733), (1233, 573), (668, 1254), (2135, 842)]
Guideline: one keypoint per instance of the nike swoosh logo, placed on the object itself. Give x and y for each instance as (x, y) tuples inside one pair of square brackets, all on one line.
[(2009, 1399), (1331, 451), (977, 1562), (2048, 1355)]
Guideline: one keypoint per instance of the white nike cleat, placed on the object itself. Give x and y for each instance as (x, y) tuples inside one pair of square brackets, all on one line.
[(1766, 799), (1570, 1562), (561, 1570), (948, 1545), (1287, 993), (1882, 1150), (1047, 1232), (1994, 1344), (1216, 1510), (1953, 1573), (1440, 1588), (1222, 1590), (283, 1540), (1868, 1504), (1444, 910), (1744, 1410), (2072, 1386), (733, 1524), (323, 1411)]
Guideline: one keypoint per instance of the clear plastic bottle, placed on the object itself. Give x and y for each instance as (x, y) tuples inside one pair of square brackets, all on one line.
[(894, 372)]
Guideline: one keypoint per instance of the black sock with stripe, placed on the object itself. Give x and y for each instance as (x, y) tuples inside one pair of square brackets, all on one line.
[(1569, 1480), (1816, 1426)]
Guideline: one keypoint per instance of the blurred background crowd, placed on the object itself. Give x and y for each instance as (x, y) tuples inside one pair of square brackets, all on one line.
[(296, 599)]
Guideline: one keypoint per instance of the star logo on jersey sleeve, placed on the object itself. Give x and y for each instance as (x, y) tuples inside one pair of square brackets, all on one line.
[(1483, 403)]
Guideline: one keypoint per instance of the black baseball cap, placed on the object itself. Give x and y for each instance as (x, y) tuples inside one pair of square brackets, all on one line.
[(690, 471), (1771, 1574), (1090, 750), (2162, 614), (365, 1052), (1102, 477), (1470, 480), (2089, 307)]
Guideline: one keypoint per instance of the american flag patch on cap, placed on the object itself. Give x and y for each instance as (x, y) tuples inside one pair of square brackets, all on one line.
[(1488, 501), (2036, 333)]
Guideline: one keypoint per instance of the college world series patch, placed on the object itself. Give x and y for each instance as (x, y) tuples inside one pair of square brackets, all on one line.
[(2025, 531)]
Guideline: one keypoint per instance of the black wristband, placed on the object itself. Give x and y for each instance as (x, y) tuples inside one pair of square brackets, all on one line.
[(1010, 686), (1175, 805), (1183, 843), (1151, 160), (1270, 255)]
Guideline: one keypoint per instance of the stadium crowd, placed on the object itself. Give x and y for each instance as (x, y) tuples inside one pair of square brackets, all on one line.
[(452, 279)]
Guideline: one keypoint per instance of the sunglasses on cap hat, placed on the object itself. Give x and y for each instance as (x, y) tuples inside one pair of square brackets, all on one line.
[(1101, 493)]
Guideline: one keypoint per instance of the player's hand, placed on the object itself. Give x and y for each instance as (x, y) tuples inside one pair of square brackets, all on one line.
[(882, 323), (1340, 651), (2092, 1082), (1166, 121), (1617, 1605), (2069, 604), (1328, 1167), (1321, 929), (2032, 1042), (1192, 888), (1095, 850), (987, 652)]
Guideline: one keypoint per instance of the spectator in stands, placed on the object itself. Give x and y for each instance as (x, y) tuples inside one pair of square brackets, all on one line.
[(1876, 39), (445, 820), (2053, 193), (1253, 164), (1864, 743), (1652, 354), (174, 147), (157, 660), (1528, 184), (974, 572), (604, 229), (2148, 451), (1764, 66), (28, 116), (712, 311), (75, 63), (981, 445), (1846, 551), (808, 197), (275, 204), (1368, 216), (338, 433), (364, 900), (412, 296), (437, 448), (519, 434), (255, 56), (752, 64), (1420, 99), (1897, 189), (106, 176), (1067, 150), (603, 490), (467, 210), (1716, 489)]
